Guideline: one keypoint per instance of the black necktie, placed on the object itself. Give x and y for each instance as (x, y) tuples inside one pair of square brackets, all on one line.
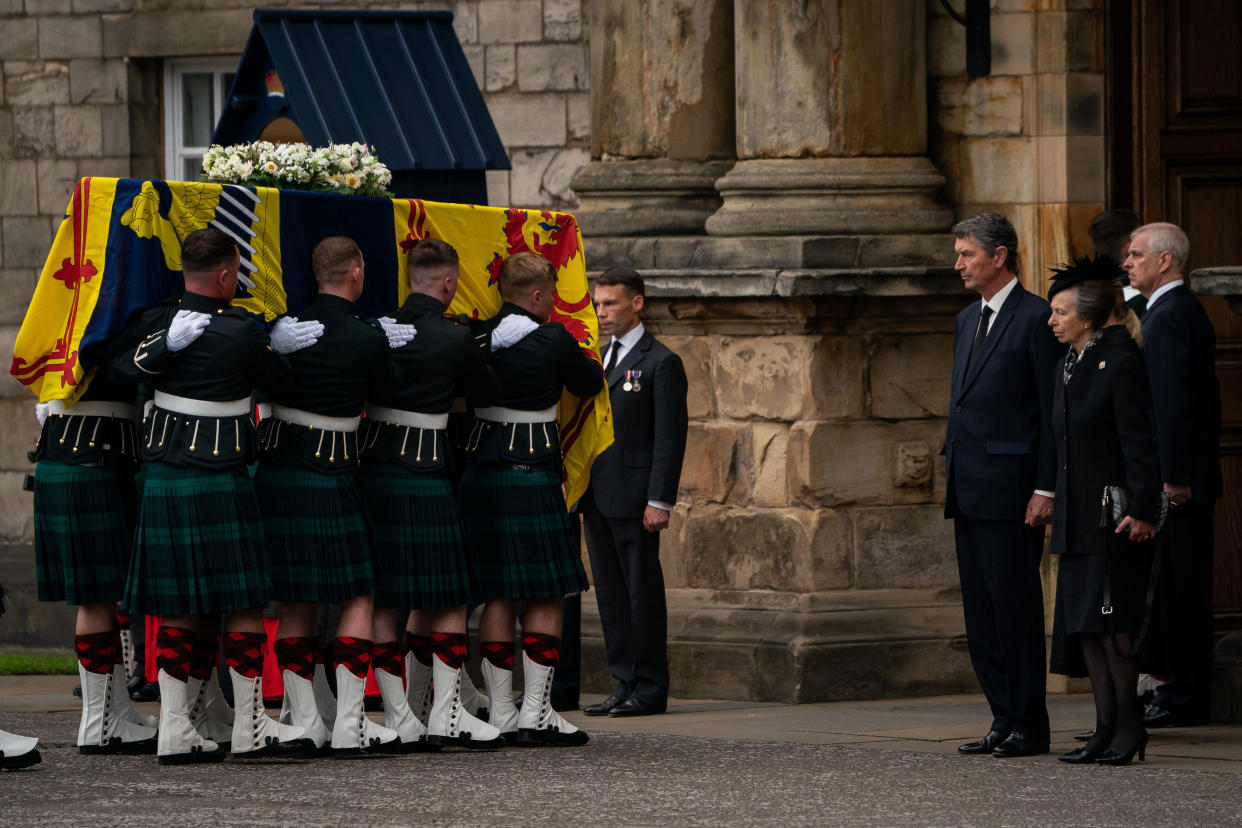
[(980, 335), (613, 350)]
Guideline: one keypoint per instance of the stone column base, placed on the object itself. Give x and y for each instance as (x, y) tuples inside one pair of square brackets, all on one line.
[(793, 648), (830, 196), (646, 197)]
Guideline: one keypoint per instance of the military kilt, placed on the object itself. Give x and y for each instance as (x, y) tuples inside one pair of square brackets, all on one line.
[(318, 540), (519, 532), (421, 557), (198, 547), (83, 531)]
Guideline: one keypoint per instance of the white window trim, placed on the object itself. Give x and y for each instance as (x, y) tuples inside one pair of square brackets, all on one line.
[(174, 68)]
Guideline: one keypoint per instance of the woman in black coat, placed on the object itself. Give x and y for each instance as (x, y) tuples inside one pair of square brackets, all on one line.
[(1104, 437)]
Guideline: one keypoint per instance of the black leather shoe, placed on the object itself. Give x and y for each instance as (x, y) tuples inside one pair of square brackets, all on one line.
[(1085, 736), (603, 708), (985, 745), (634, 707), (1157, 716), (1019, 744)]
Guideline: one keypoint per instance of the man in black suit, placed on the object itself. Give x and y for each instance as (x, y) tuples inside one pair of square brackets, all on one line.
[(1180, 349), (1000, 464), (633, 489)]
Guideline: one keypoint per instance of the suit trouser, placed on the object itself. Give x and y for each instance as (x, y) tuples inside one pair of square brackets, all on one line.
[(629, 588), (1187, 576), (1003, 604)]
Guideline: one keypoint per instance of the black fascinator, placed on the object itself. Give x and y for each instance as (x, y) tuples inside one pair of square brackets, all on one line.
[(1086, 269)]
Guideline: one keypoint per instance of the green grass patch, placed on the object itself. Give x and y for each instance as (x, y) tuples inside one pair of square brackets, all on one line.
[(37, 664)]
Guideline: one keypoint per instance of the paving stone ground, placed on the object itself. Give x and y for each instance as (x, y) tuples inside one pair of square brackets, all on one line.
[(704, 763)]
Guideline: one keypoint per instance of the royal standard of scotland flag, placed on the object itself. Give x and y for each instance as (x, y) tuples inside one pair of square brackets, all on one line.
[(118, 250)]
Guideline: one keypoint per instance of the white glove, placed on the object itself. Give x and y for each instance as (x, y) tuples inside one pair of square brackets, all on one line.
[(399, 335), (41, 410), (186, 327), (511, 330), (289, 335)]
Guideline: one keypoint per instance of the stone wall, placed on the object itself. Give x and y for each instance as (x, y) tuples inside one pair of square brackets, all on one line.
[(1028, 139)]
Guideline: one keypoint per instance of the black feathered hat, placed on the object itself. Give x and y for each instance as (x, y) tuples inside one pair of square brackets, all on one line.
[(1086, 269)]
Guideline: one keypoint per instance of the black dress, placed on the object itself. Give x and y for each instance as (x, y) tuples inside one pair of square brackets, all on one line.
[(1102, 425)]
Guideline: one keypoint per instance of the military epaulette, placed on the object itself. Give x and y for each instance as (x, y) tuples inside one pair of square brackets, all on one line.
[(235, 311)]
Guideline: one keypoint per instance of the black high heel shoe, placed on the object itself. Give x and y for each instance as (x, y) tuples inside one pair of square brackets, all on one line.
[(1081, 756), (1116, 757)]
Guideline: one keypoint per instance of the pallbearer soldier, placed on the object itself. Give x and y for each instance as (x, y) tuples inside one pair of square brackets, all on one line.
[(512, 499), (85, 503), (421, 555), (317, 536), (198, 548)]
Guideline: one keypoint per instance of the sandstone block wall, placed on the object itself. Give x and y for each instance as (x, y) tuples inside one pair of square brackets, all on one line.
[(1028, 139), (813, 457)]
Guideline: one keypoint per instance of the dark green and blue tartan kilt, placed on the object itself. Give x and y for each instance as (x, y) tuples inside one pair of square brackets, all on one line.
[(198, 547), (519, 532), (83, 531), (421, 557), (318, 540)]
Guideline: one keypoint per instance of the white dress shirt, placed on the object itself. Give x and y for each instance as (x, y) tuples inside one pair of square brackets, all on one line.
[(1162, 290)]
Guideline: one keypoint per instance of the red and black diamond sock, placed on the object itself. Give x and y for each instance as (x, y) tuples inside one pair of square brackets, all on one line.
[(420, 646), (203, 657), (387, 656), (98, 652), (354, 654), (243, 652), (450, 648), (174, 650), (297, 655), (542, 649), (499, 653)]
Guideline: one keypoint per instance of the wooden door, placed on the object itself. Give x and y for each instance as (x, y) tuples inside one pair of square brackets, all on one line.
[(1175, 154)]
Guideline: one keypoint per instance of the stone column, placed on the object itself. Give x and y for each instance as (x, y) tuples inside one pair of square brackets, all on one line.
[(661, 115), (831, 122)]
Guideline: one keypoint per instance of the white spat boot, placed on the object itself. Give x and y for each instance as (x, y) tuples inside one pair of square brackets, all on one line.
[(179, 743), (353, 733), (451, 724), (299, 709), (538, 724), (418, 686), (257, 735), (102, 730), (210, 713), (18, 752), (503, 714), (397, 713)]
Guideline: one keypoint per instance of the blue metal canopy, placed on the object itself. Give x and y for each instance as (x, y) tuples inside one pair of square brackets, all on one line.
[(397, 80)]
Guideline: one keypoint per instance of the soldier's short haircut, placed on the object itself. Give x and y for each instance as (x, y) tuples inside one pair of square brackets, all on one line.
[(523, 272), (1110, 231), (1163, 236), (990, 231), (428, 258), (206, 249), (332, 259), (623, 275)]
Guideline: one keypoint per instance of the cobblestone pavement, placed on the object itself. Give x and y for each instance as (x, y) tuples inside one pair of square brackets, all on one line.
[(632, 775)]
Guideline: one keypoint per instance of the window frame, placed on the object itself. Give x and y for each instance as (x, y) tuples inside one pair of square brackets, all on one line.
[(176, 152)]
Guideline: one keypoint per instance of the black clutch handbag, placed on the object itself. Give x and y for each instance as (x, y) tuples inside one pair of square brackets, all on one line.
[(1115, 505)]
